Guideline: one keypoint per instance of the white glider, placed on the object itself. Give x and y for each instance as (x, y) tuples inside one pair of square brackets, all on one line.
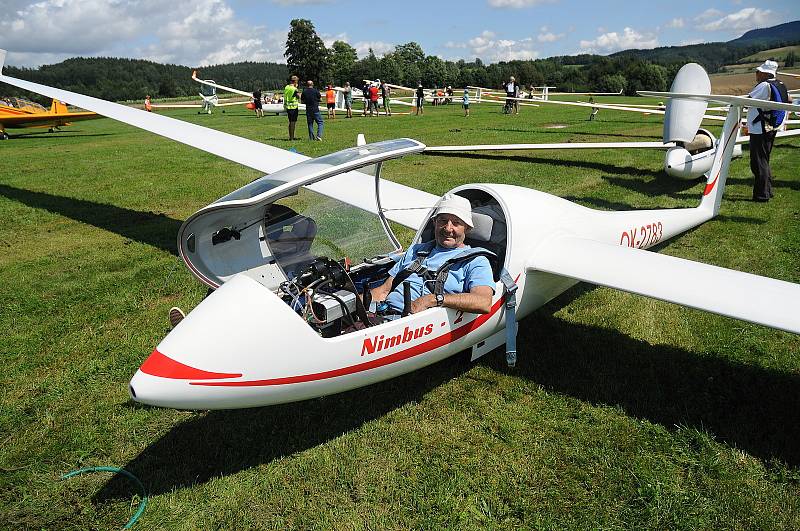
[(272, 331)]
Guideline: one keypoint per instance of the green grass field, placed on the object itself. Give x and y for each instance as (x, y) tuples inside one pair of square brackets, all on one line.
[(623, 412)]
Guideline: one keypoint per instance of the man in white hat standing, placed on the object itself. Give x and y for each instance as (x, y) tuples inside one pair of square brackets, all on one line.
[(469, 285), (762, 135)]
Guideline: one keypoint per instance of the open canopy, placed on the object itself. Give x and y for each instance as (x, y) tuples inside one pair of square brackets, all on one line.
[(280, 219)]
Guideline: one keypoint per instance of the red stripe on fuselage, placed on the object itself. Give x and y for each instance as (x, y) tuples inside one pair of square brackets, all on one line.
[(710, 186), (410, 352), (165, 367)]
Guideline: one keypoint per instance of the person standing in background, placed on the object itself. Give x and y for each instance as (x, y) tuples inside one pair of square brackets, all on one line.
[(330, 101), (311, 97), (291, 102)]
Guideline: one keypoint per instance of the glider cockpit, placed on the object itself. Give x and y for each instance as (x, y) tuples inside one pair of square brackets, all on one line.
[(286, 233)]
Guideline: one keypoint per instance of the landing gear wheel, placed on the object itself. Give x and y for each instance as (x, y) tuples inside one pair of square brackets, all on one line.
[(3, 136)]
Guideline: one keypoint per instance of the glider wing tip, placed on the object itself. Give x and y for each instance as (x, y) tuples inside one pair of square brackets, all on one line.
[(2, 60)]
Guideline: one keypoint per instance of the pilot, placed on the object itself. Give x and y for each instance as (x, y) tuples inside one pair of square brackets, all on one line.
[(469, 285)]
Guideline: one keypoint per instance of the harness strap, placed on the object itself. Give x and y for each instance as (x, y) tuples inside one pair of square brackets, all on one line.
[(511, 317), (440, 276), (414, 267)]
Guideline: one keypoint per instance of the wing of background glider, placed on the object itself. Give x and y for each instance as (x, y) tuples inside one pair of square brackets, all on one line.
[(567, 145), (613, 107), (221, 87), (780, 134), (354, 188), (715, 289)]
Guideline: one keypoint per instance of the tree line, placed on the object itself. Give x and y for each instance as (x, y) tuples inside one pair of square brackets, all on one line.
[(308, 57)]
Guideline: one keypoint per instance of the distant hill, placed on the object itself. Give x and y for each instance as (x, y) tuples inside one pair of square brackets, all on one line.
[(715, 55), (771, 37), (777, 54)]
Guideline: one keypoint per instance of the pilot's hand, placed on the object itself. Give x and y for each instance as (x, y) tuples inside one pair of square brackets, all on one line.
[(423, 303)]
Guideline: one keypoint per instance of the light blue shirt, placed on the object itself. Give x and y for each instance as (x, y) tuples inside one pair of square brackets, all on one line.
[(461, 278)]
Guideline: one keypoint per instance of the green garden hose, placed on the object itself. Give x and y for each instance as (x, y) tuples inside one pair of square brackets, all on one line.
[(142, 504)]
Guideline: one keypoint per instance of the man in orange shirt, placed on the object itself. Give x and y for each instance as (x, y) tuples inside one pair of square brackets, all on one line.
[(373, 99), (330, 98)]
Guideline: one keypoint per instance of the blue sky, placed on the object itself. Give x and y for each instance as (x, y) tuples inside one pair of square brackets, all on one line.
[(202, 32)]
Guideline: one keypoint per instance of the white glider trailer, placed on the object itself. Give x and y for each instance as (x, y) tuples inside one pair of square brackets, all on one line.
[(284, 323)]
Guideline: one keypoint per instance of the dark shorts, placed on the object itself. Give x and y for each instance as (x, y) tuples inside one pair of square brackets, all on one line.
[(465, 105), (331, 105), (257, 104), (292, 114)]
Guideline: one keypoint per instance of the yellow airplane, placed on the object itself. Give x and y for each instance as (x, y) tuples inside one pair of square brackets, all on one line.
[(17, 113)]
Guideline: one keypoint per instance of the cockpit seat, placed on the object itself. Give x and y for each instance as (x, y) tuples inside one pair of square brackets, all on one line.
[(490, 233), (290, 236)]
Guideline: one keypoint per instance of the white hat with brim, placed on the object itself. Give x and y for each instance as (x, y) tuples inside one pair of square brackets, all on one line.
[(457, 206), (769, 67)]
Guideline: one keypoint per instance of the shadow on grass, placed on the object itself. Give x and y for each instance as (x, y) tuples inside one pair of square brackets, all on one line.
[(776, 183), (220, 443), (754, 409), (150, 228), (751, 408), (609, 168)]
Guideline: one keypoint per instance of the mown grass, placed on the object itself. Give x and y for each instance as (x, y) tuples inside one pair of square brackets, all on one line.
[(623, 412)]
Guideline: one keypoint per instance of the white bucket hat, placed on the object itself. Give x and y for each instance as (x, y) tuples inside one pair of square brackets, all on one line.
[(456, 205), (769, 67)]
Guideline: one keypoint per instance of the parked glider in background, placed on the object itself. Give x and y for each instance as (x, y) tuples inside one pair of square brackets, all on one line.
[(19, 113), (208, 93), (689, 149), (275, 329)]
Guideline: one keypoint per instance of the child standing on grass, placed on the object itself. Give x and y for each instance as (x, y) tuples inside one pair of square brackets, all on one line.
[(465, 102)]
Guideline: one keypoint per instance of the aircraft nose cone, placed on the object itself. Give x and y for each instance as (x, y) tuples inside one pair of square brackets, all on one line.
[(241, 331)]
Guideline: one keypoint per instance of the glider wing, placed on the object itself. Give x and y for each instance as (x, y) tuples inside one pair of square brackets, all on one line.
[(753, 298), (357, 189)]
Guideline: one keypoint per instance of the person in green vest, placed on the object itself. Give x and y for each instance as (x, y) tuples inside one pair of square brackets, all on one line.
[(291, 102)]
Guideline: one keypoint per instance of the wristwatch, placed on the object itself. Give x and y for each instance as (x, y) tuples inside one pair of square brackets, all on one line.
[(439, 299)]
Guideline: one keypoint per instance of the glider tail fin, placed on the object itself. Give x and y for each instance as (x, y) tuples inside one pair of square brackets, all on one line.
[(683, 117), (58, 107), (716, 177)]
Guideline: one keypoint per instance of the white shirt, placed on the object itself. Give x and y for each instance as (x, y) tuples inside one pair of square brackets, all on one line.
[(761, 92)]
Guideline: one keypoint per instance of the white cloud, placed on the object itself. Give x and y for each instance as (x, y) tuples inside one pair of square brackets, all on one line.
[(49, 26), (613, 41), (378, 47), (517, 4), (708, 14), (189, 32), (676, 23), (549, 37), (492, 49), (299, 2), (743, 20), (330, 39)]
